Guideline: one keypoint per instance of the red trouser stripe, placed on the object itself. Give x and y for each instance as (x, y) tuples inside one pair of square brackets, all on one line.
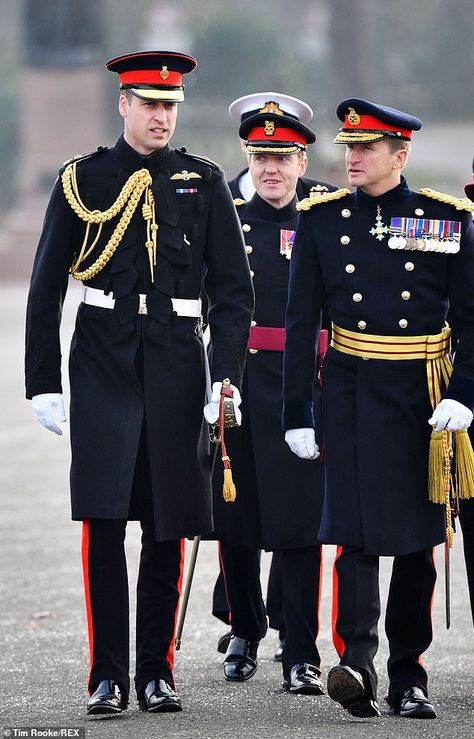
[(87, 592), (336, 638), (179, 585)]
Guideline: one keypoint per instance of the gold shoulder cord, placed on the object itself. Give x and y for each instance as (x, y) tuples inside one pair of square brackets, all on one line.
[(138, 183), (317, 198), (459, 203)]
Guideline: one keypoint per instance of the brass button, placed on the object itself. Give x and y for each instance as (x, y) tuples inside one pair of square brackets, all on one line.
[(362, 325), (409, 266), (346, 213), (357, 297), (419, 212), (246, 227), (349, 268), (253, 351), (403, 323), (406, 295), (248, 248), (345, 240), (253, 323), (252, 273)]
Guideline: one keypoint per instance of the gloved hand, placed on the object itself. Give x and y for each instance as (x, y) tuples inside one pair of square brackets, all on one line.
[(303, 443), (211, 410), (451, 415), (49, 407)]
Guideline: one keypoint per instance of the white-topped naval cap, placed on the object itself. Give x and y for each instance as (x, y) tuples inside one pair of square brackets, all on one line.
[(269, 102)]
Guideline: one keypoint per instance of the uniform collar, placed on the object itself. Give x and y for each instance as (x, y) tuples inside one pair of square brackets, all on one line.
[(269, 213), (133, 160), (396, 193)]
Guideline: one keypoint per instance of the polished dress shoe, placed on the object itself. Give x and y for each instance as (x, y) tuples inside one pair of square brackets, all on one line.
[(107, 698), (414, 704), (223, 642), (304, 680), (159, 697), (346, 686), (280, 645), (240, 659)]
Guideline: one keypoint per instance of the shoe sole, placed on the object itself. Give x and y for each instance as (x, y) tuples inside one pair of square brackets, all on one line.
[(162, 708), (418, 713), (343, 687), (103, 711), (306, 690)]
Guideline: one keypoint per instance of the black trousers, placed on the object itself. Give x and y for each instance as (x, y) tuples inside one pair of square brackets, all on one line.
[(107, 604), (273, 606), (356, 611), (301, 579), (466, 516)]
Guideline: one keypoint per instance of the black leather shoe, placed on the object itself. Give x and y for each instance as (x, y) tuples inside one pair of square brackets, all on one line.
[(280, 645), (223, 642), (414, 704), (108, 698), (159, 697), (346, 686), (304, 680), (240, 659)]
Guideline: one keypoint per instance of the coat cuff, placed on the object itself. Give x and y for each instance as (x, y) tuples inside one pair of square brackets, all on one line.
[(461, 390), (298, 414)]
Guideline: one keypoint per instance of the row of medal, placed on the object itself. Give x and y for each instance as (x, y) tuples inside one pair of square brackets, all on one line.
[(424, 234)]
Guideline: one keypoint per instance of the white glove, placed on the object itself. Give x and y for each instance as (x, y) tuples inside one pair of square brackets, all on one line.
[(303, 443), (49, 407), (211, 410), (451, 415)]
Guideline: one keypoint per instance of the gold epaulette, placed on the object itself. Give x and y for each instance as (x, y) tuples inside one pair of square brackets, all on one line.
[(458, 203), (239, 201), (319, 198)]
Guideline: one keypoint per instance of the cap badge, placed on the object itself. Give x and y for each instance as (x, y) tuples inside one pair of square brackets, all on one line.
[(185, 175), (271, 107), (353, 117), (164, 74), (269, 128)]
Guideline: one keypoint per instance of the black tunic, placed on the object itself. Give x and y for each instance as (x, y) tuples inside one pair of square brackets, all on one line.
[(131, 373), (279, 496), (375, 412)]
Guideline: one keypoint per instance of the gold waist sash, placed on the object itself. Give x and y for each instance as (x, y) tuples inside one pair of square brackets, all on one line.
[(433, 348)]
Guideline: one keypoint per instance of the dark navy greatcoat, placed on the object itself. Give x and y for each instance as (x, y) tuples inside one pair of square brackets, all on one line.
[(279, 496), (375, 412), (136, 377)]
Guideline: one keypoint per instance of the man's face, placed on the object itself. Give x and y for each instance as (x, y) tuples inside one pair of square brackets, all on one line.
[(373, 166), (275, 176), (147, 125)]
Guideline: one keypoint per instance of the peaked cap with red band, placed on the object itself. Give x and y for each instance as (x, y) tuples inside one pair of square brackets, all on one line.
[(365, 122), (275, 133), (153, 75)]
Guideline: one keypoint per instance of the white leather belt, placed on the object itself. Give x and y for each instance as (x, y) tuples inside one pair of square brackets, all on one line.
[(182, 306)]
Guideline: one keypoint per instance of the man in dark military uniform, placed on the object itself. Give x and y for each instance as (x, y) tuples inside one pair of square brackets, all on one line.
[(243, 189), (143, 226), (386, 263), (278, 496)]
